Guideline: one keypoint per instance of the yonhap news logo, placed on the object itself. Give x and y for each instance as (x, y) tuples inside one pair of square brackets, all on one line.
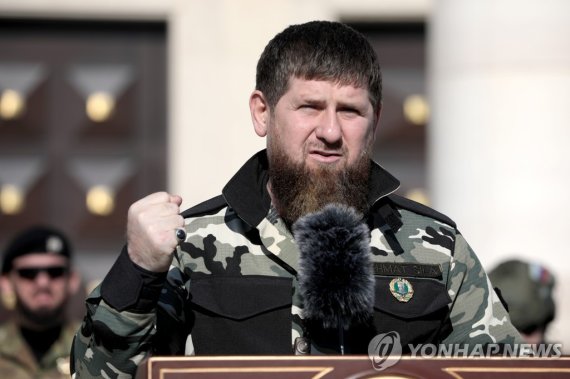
[(385, 350)]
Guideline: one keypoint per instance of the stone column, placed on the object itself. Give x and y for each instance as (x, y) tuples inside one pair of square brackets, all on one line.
[(499, 158)]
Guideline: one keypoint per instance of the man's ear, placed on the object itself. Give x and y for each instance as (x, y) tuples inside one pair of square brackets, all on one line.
[(74, 282), (377, 122), (5, 284), (7, 295), (260, 113)]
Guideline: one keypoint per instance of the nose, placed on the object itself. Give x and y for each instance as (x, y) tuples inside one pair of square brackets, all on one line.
[(42, 279), (329, 129)]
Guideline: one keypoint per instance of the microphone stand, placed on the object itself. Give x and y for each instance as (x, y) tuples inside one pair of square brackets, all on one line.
[(340, 336)]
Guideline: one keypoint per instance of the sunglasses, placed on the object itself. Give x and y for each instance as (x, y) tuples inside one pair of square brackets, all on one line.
[(32, 272)]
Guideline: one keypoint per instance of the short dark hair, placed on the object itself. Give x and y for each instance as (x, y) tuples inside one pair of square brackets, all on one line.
[(320, 50)]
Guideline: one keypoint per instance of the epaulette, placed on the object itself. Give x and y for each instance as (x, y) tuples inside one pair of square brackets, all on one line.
[(207, 207), (416, 207)]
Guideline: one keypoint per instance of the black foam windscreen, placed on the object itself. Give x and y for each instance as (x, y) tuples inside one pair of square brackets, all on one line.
[(335, 269)]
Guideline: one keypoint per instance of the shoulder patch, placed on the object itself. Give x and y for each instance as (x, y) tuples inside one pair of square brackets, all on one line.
[(207, 207), (416, 207)]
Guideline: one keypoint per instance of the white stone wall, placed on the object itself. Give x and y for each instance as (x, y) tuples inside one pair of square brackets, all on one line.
[(499, 162)]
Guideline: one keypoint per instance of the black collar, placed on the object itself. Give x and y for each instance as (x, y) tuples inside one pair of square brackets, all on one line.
[(247, 192)]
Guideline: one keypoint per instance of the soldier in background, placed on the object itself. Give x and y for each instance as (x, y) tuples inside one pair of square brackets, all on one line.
[(37, 274), (527, 289)]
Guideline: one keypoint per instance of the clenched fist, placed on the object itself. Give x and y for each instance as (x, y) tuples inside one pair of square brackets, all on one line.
[(151, 225)]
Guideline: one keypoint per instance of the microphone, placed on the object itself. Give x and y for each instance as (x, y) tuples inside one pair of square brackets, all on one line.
[(335, 270)]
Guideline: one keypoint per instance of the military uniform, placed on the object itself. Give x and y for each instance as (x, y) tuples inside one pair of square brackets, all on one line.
[(18, 362), (233, 289)]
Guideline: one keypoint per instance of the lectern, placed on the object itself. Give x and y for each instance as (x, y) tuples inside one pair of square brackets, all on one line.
[(353, 367)]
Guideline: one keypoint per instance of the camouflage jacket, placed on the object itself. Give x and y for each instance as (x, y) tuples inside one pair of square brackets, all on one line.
[(232, 287), (17, 361)]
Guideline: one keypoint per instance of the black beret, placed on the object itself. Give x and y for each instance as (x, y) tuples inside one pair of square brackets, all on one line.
[(38, 239)]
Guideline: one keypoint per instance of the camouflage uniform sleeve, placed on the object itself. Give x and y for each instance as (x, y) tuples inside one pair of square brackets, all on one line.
[(119, 325), (477, 314)]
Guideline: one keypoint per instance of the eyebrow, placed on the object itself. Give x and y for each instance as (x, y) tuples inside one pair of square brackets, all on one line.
[(312, 101)]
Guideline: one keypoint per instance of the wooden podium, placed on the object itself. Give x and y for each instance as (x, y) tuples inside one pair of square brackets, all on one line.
[(353, 367)]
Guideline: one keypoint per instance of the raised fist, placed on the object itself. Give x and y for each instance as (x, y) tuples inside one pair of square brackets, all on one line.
[(151, 230)]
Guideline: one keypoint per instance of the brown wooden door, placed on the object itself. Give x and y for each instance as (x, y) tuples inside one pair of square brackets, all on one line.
[(53, 153)]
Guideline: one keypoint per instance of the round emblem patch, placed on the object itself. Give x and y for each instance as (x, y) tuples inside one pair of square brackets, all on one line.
[(401, 289), (54, 244)]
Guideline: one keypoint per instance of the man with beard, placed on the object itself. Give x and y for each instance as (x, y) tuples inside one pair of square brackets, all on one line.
[(222, 277), (37, 275)]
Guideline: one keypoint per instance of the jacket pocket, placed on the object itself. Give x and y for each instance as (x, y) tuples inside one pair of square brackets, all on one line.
[(423, 319), (241, 315)]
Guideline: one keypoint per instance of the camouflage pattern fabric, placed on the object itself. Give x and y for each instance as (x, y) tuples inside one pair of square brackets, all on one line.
[(221, 243), (18, 362)]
